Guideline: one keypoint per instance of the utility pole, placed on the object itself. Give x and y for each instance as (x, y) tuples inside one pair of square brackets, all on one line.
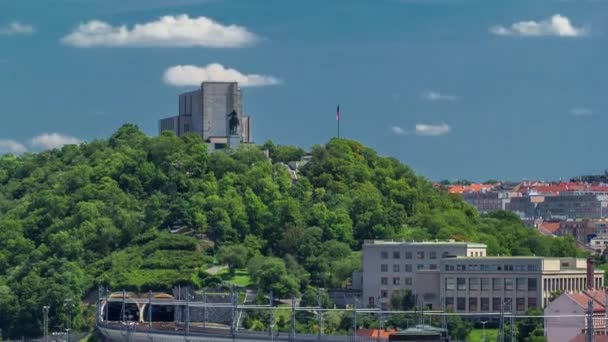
[(512, 320), (45, 312), (204, 308), (590, 330), (292, 329), (149, 309), (233, 312), (271, 316), (68, 303), (187, 311), (501, 324), (444, 319), (483, 334), (355, 317), (107, 306), (320, 311), (122, 309)]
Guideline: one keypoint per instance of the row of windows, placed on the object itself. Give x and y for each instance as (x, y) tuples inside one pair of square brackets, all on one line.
[(482, 304), (497, 284), (409, 255), (396, 281), (406, 268), (491, 268)]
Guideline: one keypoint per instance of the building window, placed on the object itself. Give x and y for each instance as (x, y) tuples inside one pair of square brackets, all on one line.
[(520, 304), (497, 284), (473, 284), (485, 284), (532, 303), (408, 255), (472, 304), (384, 281), (509, 284), (396, 281), (383, 293), (383, 255), (371, 301), (420, 255), (384, 268), (484, 304), (408, 281), (420, 267), (520, 268), (461, 267), (408, 268), (531, 284), (396, 268), (450, 283), (520, 284), (461, 304), (449, 303), (449, 267), (496, 304), (432, 255), (433, 266), (396, 255), (509, 268), (461, 284)]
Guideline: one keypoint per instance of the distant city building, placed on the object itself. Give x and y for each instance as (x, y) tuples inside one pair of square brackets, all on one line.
[(460, 276), (215, 112)]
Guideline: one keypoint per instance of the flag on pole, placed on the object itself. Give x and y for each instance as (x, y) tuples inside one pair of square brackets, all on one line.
[(338, 113)]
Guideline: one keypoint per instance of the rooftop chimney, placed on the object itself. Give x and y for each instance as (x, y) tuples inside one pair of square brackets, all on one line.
[(590, 274)]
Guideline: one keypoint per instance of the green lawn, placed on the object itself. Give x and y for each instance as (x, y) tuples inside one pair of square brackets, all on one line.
[(240, 277), (476, 335)]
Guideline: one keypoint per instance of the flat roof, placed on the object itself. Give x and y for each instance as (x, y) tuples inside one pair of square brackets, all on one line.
[(423, 243)]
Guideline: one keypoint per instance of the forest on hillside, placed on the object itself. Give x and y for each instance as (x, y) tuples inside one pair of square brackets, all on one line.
[(102, 213)]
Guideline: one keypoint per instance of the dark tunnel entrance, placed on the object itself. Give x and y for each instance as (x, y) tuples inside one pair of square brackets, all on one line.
[(160, 313), (112, 312)]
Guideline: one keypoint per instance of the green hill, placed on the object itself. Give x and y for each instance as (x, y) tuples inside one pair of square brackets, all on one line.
[(101, 213)]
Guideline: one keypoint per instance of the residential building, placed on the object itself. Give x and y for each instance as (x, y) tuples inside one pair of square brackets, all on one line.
[(215, 112), (599, 243), (573, 308), (389, 266)]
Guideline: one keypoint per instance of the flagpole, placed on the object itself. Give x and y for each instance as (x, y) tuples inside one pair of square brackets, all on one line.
[(338, 120)]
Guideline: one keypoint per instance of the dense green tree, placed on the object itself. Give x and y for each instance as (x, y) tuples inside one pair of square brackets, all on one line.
[(235, 256)]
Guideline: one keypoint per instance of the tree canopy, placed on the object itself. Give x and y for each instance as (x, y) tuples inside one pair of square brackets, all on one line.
[(139, 213)]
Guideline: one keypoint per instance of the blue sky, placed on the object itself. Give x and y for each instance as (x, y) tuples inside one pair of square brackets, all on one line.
[(454, 88)]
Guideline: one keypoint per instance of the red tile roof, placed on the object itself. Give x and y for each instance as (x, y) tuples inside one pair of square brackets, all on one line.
[(375, 333), (461, 189), (582, 298), (549, 227)]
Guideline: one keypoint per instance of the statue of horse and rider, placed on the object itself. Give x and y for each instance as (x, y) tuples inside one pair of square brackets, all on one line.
[(233, 123)]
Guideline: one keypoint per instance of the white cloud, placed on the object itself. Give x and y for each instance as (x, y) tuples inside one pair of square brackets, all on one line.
[(16, 28), (398, 130), (581, 112), (192, 75), (557, 25), (11, 146), (53, 140), (167, 31), (437, 96), (432, 130)]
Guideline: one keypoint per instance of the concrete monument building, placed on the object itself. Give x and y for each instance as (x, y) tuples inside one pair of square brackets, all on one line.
[(215, 112)]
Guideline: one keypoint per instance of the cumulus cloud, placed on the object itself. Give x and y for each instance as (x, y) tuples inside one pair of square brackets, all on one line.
[(192, 75), (16, 28), (432, 130), (437, 96), (581, 112), (11, 146), (167, 31), (557, 25), (398, 130), (49, 141)]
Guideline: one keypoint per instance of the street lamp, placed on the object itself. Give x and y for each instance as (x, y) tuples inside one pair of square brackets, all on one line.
[(45, 312), (68, 303), (483, 334)]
